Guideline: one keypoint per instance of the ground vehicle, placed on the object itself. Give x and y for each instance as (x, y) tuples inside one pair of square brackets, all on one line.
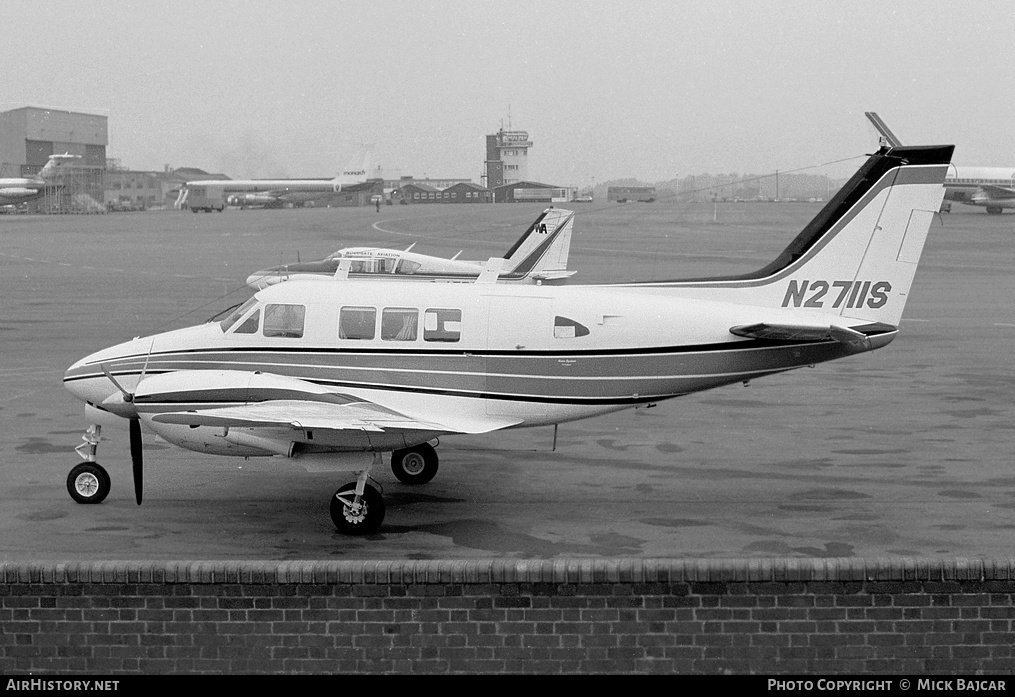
[(205, 198), (623, 194)]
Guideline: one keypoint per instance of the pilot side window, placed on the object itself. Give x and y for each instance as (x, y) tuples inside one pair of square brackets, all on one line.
[(399, 324), (356, 323), (442, 325), (284, 320), (407, 267), (250, 324), (235, 315)]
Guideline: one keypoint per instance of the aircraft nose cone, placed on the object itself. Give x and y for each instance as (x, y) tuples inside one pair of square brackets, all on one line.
[(87, 383)]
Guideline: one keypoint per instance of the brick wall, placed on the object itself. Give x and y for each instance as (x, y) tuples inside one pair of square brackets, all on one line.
[(773, 616)]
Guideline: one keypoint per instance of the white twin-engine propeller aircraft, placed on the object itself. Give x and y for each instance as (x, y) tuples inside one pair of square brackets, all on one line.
[(539, 256), (331, 375)]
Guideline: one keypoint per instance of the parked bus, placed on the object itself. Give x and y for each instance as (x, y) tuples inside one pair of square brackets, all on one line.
[(623, 194)]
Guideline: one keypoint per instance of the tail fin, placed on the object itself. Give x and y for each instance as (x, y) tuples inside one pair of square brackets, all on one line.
[(358, 168), (543, 250), (55, 165), (858, 257)]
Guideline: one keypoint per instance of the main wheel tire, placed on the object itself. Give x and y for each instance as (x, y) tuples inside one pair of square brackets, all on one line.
[(415, 465), (351, 519), (88, 482)]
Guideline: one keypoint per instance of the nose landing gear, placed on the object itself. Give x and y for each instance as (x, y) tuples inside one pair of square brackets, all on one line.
[(358, 508), (88, 482)]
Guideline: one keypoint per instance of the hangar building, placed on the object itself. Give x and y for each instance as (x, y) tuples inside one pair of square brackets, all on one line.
[(29, 135)]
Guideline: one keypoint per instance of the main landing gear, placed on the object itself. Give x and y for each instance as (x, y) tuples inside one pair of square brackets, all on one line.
[(88, 482), (415, 465), (358, 507)]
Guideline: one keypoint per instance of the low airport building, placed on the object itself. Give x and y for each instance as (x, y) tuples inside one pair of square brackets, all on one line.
[(533, 192), (461, 192), (467, 192), (414, 192)]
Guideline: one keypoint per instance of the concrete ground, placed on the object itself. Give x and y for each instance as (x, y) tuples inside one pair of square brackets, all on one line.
[(906, 451)]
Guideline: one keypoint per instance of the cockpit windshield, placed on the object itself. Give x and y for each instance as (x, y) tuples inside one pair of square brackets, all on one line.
[(236, 314)]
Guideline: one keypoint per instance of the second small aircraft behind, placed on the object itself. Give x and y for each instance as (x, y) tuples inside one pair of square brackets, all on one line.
[(539, 256), (330, 375)]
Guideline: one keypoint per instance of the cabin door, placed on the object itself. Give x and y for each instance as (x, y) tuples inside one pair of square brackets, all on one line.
[(519, 330)]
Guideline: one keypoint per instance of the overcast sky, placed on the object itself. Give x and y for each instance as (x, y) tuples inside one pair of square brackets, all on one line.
[(612, 89)]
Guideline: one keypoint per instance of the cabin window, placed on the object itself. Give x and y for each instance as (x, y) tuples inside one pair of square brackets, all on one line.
[(284, 320), (356, 323), (442, 325), (407, 267), (236, 314), (250, 324), (567, 328), (399, 323)]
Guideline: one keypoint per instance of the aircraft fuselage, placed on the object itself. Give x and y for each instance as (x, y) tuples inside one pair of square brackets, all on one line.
[(536, 355)]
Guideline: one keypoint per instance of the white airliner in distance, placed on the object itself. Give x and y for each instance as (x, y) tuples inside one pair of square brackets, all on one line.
[(329, 375), (274, 193), (17, 190), (990, 187), (539, 256)]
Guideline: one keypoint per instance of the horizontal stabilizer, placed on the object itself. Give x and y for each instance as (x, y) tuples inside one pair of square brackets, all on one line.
[(553, 275), (491, 271), (342, 271), (803, 332)]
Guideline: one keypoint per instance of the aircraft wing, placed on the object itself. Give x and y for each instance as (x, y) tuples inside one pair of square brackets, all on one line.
[(308, 414), (997, 192), (802, 332)]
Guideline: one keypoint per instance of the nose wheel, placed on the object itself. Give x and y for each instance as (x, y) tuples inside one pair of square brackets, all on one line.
[(357, 514), (88, 482)]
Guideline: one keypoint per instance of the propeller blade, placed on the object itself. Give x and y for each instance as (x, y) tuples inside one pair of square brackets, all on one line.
[(137, 458), (127, 396)]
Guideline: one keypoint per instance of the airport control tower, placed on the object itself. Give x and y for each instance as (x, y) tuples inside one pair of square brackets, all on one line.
[(507, 158)]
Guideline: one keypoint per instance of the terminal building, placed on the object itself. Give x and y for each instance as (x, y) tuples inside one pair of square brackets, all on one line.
[(29, 135)]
